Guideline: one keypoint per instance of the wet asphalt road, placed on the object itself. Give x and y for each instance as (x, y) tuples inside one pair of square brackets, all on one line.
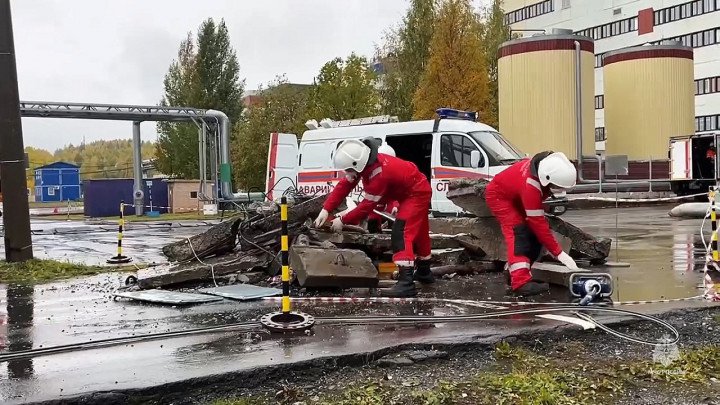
[(93, 243), (663, 253)]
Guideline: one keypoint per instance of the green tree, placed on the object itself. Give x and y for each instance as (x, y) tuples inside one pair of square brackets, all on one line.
[(205, 75), (405, 57), (456, 75), (104, 159), (37, 157), (494, 34), (283, 107), (345, 89)]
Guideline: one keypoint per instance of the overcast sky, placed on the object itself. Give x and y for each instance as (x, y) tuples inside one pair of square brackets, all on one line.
[(102, 51)]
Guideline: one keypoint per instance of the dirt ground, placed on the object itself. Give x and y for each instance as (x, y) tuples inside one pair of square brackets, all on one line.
[(605, 370)]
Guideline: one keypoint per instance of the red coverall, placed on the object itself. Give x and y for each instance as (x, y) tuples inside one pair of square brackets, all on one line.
[(392, 179), (515, 197), (375, 221)]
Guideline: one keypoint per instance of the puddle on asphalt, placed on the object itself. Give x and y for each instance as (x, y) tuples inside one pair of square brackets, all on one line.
[(93, 243)]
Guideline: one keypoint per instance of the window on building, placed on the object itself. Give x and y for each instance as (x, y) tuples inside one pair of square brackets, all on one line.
[(193, 194), (686, 10), (531, 11), (599, 134), (600, 102), (707, 123), (598, 60), (455, 150)]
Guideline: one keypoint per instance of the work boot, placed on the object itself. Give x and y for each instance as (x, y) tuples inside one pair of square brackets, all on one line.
[(405, 287), (532, 288), (423, 273)]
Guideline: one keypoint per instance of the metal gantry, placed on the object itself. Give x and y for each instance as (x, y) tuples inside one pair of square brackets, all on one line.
[(210, 124), (114, 112)]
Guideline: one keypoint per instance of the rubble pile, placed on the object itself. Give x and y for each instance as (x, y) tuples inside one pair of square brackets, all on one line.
[(247, 248)]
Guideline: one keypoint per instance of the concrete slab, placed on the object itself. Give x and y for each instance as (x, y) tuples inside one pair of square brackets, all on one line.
[(176, 274), (554, 273), (447, 256), (242, 292), (318, 267), (168, 297)]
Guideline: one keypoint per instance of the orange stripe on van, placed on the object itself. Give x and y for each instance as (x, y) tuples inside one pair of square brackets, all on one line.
[(446, 173)]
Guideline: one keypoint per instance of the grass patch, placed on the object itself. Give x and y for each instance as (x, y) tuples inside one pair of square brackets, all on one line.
[(242, 401), (185, 216), (53, 204), (520, 377), (38, 271), (693, 366)]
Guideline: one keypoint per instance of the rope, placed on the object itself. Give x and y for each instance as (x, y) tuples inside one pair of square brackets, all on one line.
[(212, 267)]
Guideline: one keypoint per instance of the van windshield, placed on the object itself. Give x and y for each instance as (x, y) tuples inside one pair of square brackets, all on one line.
[(499, 150)]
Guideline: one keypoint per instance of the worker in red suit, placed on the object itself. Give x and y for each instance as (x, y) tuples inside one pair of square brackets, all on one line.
[(515, 197), (386, 178)]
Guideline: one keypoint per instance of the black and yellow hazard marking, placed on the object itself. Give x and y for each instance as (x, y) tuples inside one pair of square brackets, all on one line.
[(121, 224), (285, 321), (284, 255), (713, 222)]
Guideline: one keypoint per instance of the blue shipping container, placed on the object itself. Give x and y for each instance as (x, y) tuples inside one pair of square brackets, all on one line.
[(103, 196), (59, 181)]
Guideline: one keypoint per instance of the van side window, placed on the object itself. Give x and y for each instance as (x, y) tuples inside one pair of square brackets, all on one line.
[(314, 156), (455, 151)]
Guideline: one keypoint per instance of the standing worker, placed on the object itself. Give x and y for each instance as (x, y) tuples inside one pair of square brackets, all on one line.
[(386, 178), (515, 197)]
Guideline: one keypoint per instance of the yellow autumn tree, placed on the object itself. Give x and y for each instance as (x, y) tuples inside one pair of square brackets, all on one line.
[(456, 75)]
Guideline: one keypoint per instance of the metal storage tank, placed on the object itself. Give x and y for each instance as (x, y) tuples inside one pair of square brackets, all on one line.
[(538, 87), (103, 196), (649, 97)]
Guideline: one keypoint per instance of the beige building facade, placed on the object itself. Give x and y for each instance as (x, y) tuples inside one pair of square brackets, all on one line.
[(183, 195)]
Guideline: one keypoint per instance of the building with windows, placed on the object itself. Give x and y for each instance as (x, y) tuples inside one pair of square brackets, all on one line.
[(59, 181), (618, 24)]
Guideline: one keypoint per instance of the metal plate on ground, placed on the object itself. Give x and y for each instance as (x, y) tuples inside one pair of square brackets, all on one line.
[(616, 264), (168, 297), (242, 292)]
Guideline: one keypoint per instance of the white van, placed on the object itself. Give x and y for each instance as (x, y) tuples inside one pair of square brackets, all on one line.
[(452, 146)]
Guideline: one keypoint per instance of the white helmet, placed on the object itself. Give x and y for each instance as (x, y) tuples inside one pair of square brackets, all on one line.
[(556, 169), (386, 149), (351, 154)]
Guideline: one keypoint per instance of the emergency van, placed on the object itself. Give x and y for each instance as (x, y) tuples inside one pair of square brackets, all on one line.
[(693, 162), (449, 147)]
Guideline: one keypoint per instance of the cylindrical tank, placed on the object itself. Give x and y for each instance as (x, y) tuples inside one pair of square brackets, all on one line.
[(537, 80), (649, 97)]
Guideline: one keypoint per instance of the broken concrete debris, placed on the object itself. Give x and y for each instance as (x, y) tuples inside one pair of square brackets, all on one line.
[(320, 258), (469, 194), (345, 268)]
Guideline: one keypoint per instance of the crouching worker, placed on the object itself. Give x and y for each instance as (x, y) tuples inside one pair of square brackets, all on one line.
[(515, 197), (386, 178)]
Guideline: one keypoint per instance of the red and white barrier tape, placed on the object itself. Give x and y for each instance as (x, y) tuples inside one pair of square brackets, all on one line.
[(482, 304)]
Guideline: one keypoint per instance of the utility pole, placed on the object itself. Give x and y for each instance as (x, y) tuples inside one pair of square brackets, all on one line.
[(16, 218)]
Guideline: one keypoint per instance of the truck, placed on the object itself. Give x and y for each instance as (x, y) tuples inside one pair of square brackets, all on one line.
[(452, 146), (693, 162)]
